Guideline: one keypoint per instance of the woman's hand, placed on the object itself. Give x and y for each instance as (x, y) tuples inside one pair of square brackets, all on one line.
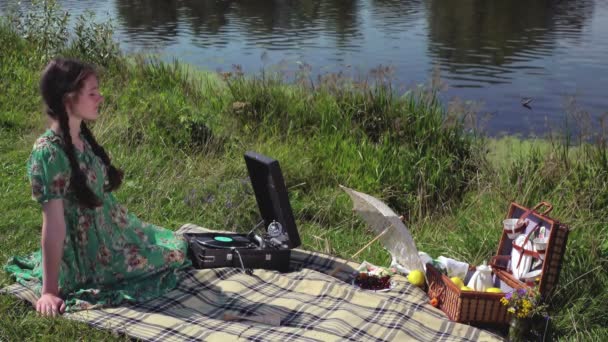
[(50, 305)]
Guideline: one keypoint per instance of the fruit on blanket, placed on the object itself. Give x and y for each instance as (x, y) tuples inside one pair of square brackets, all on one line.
[(466, 288), (435, 302), (416, 277), (368, 281), (457, 281), (494, 290)]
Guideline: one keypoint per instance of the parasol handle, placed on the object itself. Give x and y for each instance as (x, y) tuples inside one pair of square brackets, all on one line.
[(339, 267)]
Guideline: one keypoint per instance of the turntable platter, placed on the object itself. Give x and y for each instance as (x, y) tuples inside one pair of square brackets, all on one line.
[(225, 241)]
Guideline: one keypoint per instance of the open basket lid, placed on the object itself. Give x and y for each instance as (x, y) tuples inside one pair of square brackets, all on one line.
[(271, 195), (535, 223)]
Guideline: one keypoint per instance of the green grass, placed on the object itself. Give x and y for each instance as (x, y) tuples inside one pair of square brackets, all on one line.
[(180, 133)]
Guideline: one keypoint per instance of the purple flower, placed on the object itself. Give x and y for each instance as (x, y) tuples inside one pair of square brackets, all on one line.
[(509, 295), (521, 292)]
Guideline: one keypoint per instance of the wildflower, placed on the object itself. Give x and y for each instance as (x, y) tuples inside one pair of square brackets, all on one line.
[(524, 303)]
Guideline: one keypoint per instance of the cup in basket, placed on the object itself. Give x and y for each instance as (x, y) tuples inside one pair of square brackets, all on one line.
[(512, 227)]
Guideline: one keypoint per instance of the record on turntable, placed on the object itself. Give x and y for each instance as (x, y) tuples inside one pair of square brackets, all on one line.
[(212, 240)]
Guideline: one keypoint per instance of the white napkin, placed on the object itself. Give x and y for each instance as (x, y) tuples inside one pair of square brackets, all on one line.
[(454, 267)]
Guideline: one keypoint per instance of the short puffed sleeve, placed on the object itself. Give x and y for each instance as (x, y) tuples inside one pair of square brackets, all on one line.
[(49, 171)]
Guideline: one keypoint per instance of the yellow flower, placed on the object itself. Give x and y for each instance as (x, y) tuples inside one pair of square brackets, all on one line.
[(511, 310)]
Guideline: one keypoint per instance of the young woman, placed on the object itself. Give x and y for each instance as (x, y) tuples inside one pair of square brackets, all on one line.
[(94, 252)]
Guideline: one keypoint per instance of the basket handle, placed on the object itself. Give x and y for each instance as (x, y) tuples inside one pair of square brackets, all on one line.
[(535, 209), (548, 205)]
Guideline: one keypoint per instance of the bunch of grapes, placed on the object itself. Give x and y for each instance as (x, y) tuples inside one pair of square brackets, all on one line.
[(372, 282)]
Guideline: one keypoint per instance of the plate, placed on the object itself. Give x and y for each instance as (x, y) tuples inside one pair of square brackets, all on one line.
[(532, 274), (392, 285), (526, 260)]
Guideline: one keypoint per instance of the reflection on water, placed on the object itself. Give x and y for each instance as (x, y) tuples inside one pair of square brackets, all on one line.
[(477, 40), (158, 22), (273, 25), (493, 51)]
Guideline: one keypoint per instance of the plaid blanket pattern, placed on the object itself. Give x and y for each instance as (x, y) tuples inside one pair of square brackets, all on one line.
[(313, 306)]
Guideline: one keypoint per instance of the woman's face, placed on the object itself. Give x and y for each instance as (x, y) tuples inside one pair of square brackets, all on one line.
[(86, 103)]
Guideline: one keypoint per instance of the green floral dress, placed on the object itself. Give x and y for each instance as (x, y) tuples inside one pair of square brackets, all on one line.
[(109, 255)]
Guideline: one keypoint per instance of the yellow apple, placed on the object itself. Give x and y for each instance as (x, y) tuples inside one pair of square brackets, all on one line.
[(459, 283)]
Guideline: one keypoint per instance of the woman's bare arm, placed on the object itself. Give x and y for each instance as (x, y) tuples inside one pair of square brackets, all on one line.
[(53, 235)]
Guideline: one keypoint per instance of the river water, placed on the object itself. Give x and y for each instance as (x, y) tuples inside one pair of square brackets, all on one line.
[(495, 53)]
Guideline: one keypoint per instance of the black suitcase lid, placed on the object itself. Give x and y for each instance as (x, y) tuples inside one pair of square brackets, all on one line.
[(271, 195)]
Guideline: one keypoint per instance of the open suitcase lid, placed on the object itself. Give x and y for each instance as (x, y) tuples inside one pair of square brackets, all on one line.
[(271, 195), (544, 265)]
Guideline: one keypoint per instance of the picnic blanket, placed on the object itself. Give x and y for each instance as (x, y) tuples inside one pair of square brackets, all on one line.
[(312, 306)]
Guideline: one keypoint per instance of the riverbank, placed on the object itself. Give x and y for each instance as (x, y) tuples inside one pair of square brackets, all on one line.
[(180, 133)]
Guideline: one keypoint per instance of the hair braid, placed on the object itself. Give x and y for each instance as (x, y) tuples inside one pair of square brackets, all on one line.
[(78, 182), (114, 174)]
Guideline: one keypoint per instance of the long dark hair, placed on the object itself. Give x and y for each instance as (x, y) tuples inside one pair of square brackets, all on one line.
[(63, 78)]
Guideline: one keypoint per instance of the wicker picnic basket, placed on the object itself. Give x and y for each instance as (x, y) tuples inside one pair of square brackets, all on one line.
[(484, 308)]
